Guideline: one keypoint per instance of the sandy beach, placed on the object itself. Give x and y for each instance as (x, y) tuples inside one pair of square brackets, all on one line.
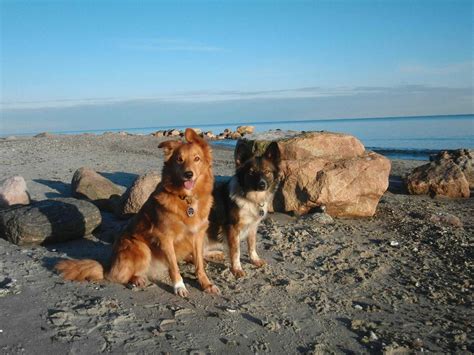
[(394, 282)]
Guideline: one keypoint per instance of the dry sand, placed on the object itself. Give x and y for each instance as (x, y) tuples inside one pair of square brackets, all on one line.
[(393, 281)]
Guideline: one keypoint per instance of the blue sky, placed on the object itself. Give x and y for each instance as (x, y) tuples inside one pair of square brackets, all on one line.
[(112, 64)]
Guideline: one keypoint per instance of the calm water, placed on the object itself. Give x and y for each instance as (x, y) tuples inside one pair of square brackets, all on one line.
[(404, 137)]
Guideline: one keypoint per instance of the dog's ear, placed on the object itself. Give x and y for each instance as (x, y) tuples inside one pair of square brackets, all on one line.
[(272, 153), (168, 148), (242, 153), (191, 135)]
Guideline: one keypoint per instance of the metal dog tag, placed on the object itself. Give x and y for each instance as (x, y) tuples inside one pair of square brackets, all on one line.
[(261, 213), (190, 211)]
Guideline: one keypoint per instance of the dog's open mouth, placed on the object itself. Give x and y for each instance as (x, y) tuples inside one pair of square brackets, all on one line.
[(189, 184)]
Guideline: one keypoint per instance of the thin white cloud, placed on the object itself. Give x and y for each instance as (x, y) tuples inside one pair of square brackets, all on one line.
[(232, 95), (167, 45)]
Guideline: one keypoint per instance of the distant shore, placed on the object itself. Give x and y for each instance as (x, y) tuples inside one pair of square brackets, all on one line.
[(229, 142)]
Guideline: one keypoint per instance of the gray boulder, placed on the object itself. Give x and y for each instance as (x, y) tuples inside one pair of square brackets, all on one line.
[(48, 221)]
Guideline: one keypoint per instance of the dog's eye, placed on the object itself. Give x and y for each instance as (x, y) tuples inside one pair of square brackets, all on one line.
[(197, 158), (180, 160)]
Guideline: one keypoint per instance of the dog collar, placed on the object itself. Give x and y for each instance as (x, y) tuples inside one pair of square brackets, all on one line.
[(189, 200)]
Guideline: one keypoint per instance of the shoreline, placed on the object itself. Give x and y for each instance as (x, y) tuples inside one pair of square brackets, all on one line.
[(421, 154)]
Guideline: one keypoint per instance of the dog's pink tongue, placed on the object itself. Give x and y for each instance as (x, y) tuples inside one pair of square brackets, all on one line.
[(188, 184)]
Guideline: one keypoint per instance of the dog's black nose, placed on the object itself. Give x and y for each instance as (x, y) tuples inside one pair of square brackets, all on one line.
[(262, 185), (188, 174)]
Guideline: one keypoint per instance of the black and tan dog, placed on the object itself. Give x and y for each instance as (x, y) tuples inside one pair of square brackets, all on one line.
[(241, 203)]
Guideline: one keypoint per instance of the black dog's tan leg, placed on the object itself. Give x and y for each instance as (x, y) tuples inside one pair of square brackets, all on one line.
[(252, 248), (234, 252)]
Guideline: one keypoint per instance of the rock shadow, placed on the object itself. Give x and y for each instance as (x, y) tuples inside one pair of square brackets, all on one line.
[(63, 189), (396, 185), (120, 178)]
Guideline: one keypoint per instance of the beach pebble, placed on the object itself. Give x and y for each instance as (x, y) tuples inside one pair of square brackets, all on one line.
[(320, 218), (373, 336), (446, 219)]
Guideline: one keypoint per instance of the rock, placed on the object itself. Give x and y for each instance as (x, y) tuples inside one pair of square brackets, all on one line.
[(55, 220), (88, 184), (44, 135), (10, 138), (245, 129), (235, 135), (13, 192), (307, 145), (462, 158), (137, 194), (173, 133), (373, 336), (210, 135), (319, 218), (198, 131), (327, 169), (438, 178), (159, 134), (447, 219)]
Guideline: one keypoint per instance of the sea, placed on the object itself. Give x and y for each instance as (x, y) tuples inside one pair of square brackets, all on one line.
[(414, 137)]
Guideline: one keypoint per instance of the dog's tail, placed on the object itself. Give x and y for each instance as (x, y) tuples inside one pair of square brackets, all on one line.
[(81, 270)]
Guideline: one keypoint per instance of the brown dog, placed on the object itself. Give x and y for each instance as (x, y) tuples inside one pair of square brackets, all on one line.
[(170, 226), (242, 203)]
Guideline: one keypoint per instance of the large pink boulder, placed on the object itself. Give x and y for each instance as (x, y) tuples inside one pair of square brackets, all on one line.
[(13, 192), (328, 169)]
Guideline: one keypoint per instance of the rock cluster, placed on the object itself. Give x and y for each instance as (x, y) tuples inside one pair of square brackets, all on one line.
[(240, 132), (327, 169), (450, 174)]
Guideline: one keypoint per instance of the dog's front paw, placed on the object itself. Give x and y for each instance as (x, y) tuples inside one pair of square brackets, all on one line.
[(181, 290), (212, 289), (259, 262), (238, 273), (137, 281)]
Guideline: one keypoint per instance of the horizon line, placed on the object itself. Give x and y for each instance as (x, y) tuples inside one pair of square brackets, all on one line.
[(342, 119)]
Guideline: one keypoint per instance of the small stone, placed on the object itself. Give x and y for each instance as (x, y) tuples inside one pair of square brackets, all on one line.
[(394, 243), (446, 219), (417, 343), (373, 336)]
